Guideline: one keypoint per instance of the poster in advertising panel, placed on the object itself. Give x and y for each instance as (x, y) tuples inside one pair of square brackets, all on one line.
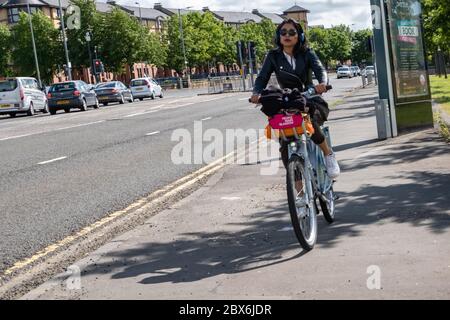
[(407, 49)]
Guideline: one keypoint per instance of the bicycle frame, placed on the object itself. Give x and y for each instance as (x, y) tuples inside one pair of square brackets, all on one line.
[(313, 157)]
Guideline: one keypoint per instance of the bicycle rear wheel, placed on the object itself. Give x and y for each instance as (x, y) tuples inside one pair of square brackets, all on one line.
[(301, 203), (328, 206)]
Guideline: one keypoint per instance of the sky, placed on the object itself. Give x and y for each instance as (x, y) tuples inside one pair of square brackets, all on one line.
[(355, 13)]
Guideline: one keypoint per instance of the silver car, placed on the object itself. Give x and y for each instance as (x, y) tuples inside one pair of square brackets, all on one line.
[(344, 72), (22, 95), (145, 88)]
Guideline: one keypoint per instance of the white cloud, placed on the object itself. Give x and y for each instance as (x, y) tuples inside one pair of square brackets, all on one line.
[(324, 12)]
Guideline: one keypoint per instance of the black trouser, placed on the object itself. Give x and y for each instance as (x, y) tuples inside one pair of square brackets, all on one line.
[(318, 137)]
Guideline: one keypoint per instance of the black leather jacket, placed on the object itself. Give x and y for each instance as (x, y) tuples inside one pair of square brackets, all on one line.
[(287, 77)]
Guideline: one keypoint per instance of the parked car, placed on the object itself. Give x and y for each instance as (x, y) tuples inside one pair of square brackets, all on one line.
[(344, 72), (368, 70), (354, 71), (114, 91), (145, 88), (22, 95), (358, 70), (71, 94)]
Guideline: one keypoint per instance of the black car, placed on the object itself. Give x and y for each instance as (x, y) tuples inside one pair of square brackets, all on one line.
[(71, 94), (114, 91)]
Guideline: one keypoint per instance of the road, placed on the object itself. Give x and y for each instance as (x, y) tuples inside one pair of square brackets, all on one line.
[(59, 174)]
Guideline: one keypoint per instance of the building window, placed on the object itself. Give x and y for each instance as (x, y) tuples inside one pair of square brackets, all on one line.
[(13, 13)]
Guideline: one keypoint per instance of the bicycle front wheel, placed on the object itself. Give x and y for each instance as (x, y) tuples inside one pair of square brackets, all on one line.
[(301, 203)]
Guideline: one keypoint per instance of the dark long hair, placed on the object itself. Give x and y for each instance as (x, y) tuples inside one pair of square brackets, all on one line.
[(301, 46)]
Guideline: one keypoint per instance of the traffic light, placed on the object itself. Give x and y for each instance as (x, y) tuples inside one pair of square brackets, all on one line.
[(98, 66), (240, 45), (369, 44), (252, 52)]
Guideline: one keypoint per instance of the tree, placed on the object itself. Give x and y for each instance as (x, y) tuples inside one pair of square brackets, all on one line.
[(48, 46), (175, 59), (360, 47), (340, 42), (268, 29), (76, 38), (5, 56), (436, 24), (152, 49), (119, 40), (319, 41)]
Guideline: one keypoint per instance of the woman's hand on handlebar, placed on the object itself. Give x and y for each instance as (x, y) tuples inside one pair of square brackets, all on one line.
[(254, 98), (321, 88)]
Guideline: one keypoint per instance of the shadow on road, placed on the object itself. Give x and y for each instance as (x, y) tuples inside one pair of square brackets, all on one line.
[(419, 199)]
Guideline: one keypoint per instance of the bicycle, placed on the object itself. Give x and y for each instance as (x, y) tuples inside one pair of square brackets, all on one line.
[(305, 170)]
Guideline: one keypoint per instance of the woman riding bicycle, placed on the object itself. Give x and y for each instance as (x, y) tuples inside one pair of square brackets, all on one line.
[(294, 60)]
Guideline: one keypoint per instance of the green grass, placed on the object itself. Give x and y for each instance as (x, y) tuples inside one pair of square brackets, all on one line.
[(440, 92), (443, 127)]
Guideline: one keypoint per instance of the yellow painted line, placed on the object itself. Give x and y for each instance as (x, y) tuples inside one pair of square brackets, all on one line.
[(162, 193)]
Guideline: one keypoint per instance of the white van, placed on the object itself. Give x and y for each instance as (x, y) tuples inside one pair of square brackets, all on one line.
[(21, 95)]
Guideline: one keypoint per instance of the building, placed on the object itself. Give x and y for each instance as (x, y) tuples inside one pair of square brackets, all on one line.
[(299, 14), (153, 18)]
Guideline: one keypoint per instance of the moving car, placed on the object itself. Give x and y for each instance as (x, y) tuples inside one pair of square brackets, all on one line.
[(344, 72), (21, 95), (114, 91), (71, 94), (145, 88)]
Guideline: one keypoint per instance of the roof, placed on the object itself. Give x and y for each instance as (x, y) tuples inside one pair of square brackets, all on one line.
[(275, 18), (13, 3), (55, 3), (103, 7), (237, 17), (295, 9), (147, 13)]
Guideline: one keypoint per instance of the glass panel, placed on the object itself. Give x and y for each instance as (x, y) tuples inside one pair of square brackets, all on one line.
[(8, 85)]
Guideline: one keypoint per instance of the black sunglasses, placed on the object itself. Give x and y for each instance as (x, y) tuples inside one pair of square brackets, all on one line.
[(290, 32)]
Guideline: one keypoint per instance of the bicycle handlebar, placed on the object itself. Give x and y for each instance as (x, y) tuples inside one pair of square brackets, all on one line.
[(328, 87)]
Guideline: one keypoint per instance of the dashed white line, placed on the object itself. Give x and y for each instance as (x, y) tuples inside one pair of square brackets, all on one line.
[(48, 131), (152, 133), (204, 119), (52, 160), (133, 115)]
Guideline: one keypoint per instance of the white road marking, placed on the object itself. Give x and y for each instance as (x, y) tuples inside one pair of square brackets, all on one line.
[(48, 131), (157, 196), (184, 105), (204, 119), (133, 115), (152, 133), (79, 125), (211, 99), (243, 99), (52, 160), (231, 198)]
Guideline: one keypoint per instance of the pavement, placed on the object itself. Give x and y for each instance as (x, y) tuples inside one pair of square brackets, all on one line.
[(232, 238)]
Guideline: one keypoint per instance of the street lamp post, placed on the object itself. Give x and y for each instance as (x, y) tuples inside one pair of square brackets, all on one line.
[(140, 13), (63, 29), (34, 46), (240, 43), (88, 40), (188, 74)]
